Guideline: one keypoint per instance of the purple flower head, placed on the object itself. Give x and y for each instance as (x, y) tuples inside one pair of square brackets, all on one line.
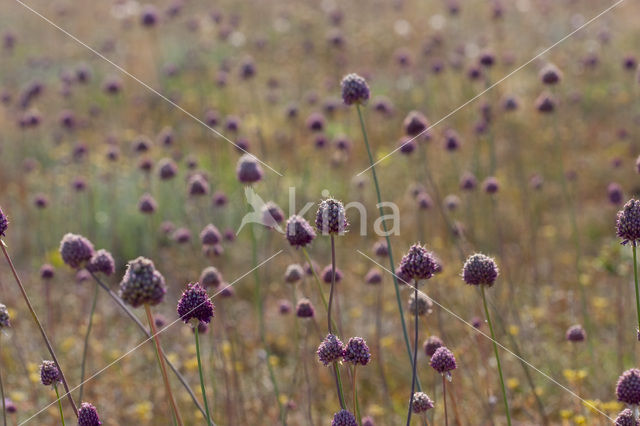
[(491, 185), (368, 421), (102, 261), (182, 235), (88, 415), (330, 217), (615, 193), (443, 360), (167, 169), (315, 122), (330, 350), (219, 199), (47, 272), (294, 273), (195, 304), (304, 308), (4, 317), (545, 103), (10, 406), (628, 387), (147, 204), (142, 283), (272, 215), (576, 333), (210, 277), (431, 345), (421, 403), (423, 305), (344, 418), (299, 232), (41, 201), (550, 74), (75, 250), (4, 223), (112, 86), (407, 145), (418, 263), (49, 373), (628, 222), (354, 90), (356, 351), (374, 276), (415, 123), (380, 248), (149, 16), (198, 185), (248, 169), (325, 274), (480, 270), (284, 307), (468, 182), (626, 418), (210, 235)]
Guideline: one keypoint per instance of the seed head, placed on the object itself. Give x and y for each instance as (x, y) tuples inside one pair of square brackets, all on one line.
[(628, 222), (330, 217), (480, 270), (88, 415), (421, 403), (49, 373), (628, 387), (443, 360), (299, 232), (195, 304), (102, 261), (356, 351), (142, 283), (75, 250), (330, 350), (354, 90)]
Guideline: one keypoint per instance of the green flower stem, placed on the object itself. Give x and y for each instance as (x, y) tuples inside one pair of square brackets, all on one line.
[(204, 392), (415, 352), (635, 277), (444, 399), (4, 408), (384, 226), (495, 350), (317, 280), (85, 350), (55, 387)]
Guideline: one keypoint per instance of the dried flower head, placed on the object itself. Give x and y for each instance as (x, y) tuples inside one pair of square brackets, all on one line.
[(142, 283)]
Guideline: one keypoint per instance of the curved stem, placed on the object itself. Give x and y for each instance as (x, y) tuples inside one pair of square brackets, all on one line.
[(39, 324), (59, 403), (495, 350), (635, 277), (415, 352), (386, 234), (144, 329), (444, 399), (85, 350), (163, 368), (204, 392)]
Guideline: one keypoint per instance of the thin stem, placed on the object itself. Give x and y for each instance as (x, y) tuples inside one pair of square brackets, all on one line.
[(444, 398), (39, 324), (85, 351), (415, 352), (260, 309), (495, 350), (144, 329), (163, 368), (317, 280), (59, 403), (386, 234), (204, 392), (356, 406), (333, 280), (4, 408), (635, 277)]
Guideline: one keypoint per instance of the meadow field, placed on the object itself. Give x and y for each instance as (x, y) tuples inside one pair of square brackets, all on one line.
[(314, 212)]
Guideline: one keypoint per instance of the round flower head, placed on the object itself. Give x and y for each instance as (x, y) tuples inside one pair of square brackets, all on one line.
[(415, 123), (424, 304), (272, 215), (305, 309), (102, 261), (285, 306), (10, 406), (354, 90), (210, 277), (576, 333), (431, 345), (417, 264), (195, 304), (210, 235), (381, 249), (330, 350), (628, 387), (628, 222), (344, 418), (491, 185), (198, 185), (49, 373), (443, 360), (4, 317), (368, 421), (88, 415), (374, 276), (615, 193), (356, 351), (147, 204), (75, 250), (550, 74), (421, 403), (480, 270), (248, 169), (299, 232), (142, 283), (468, 182), (326, 274), (545, 103), (294, 273), (330, 217), (47, 272), (626, 418)]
